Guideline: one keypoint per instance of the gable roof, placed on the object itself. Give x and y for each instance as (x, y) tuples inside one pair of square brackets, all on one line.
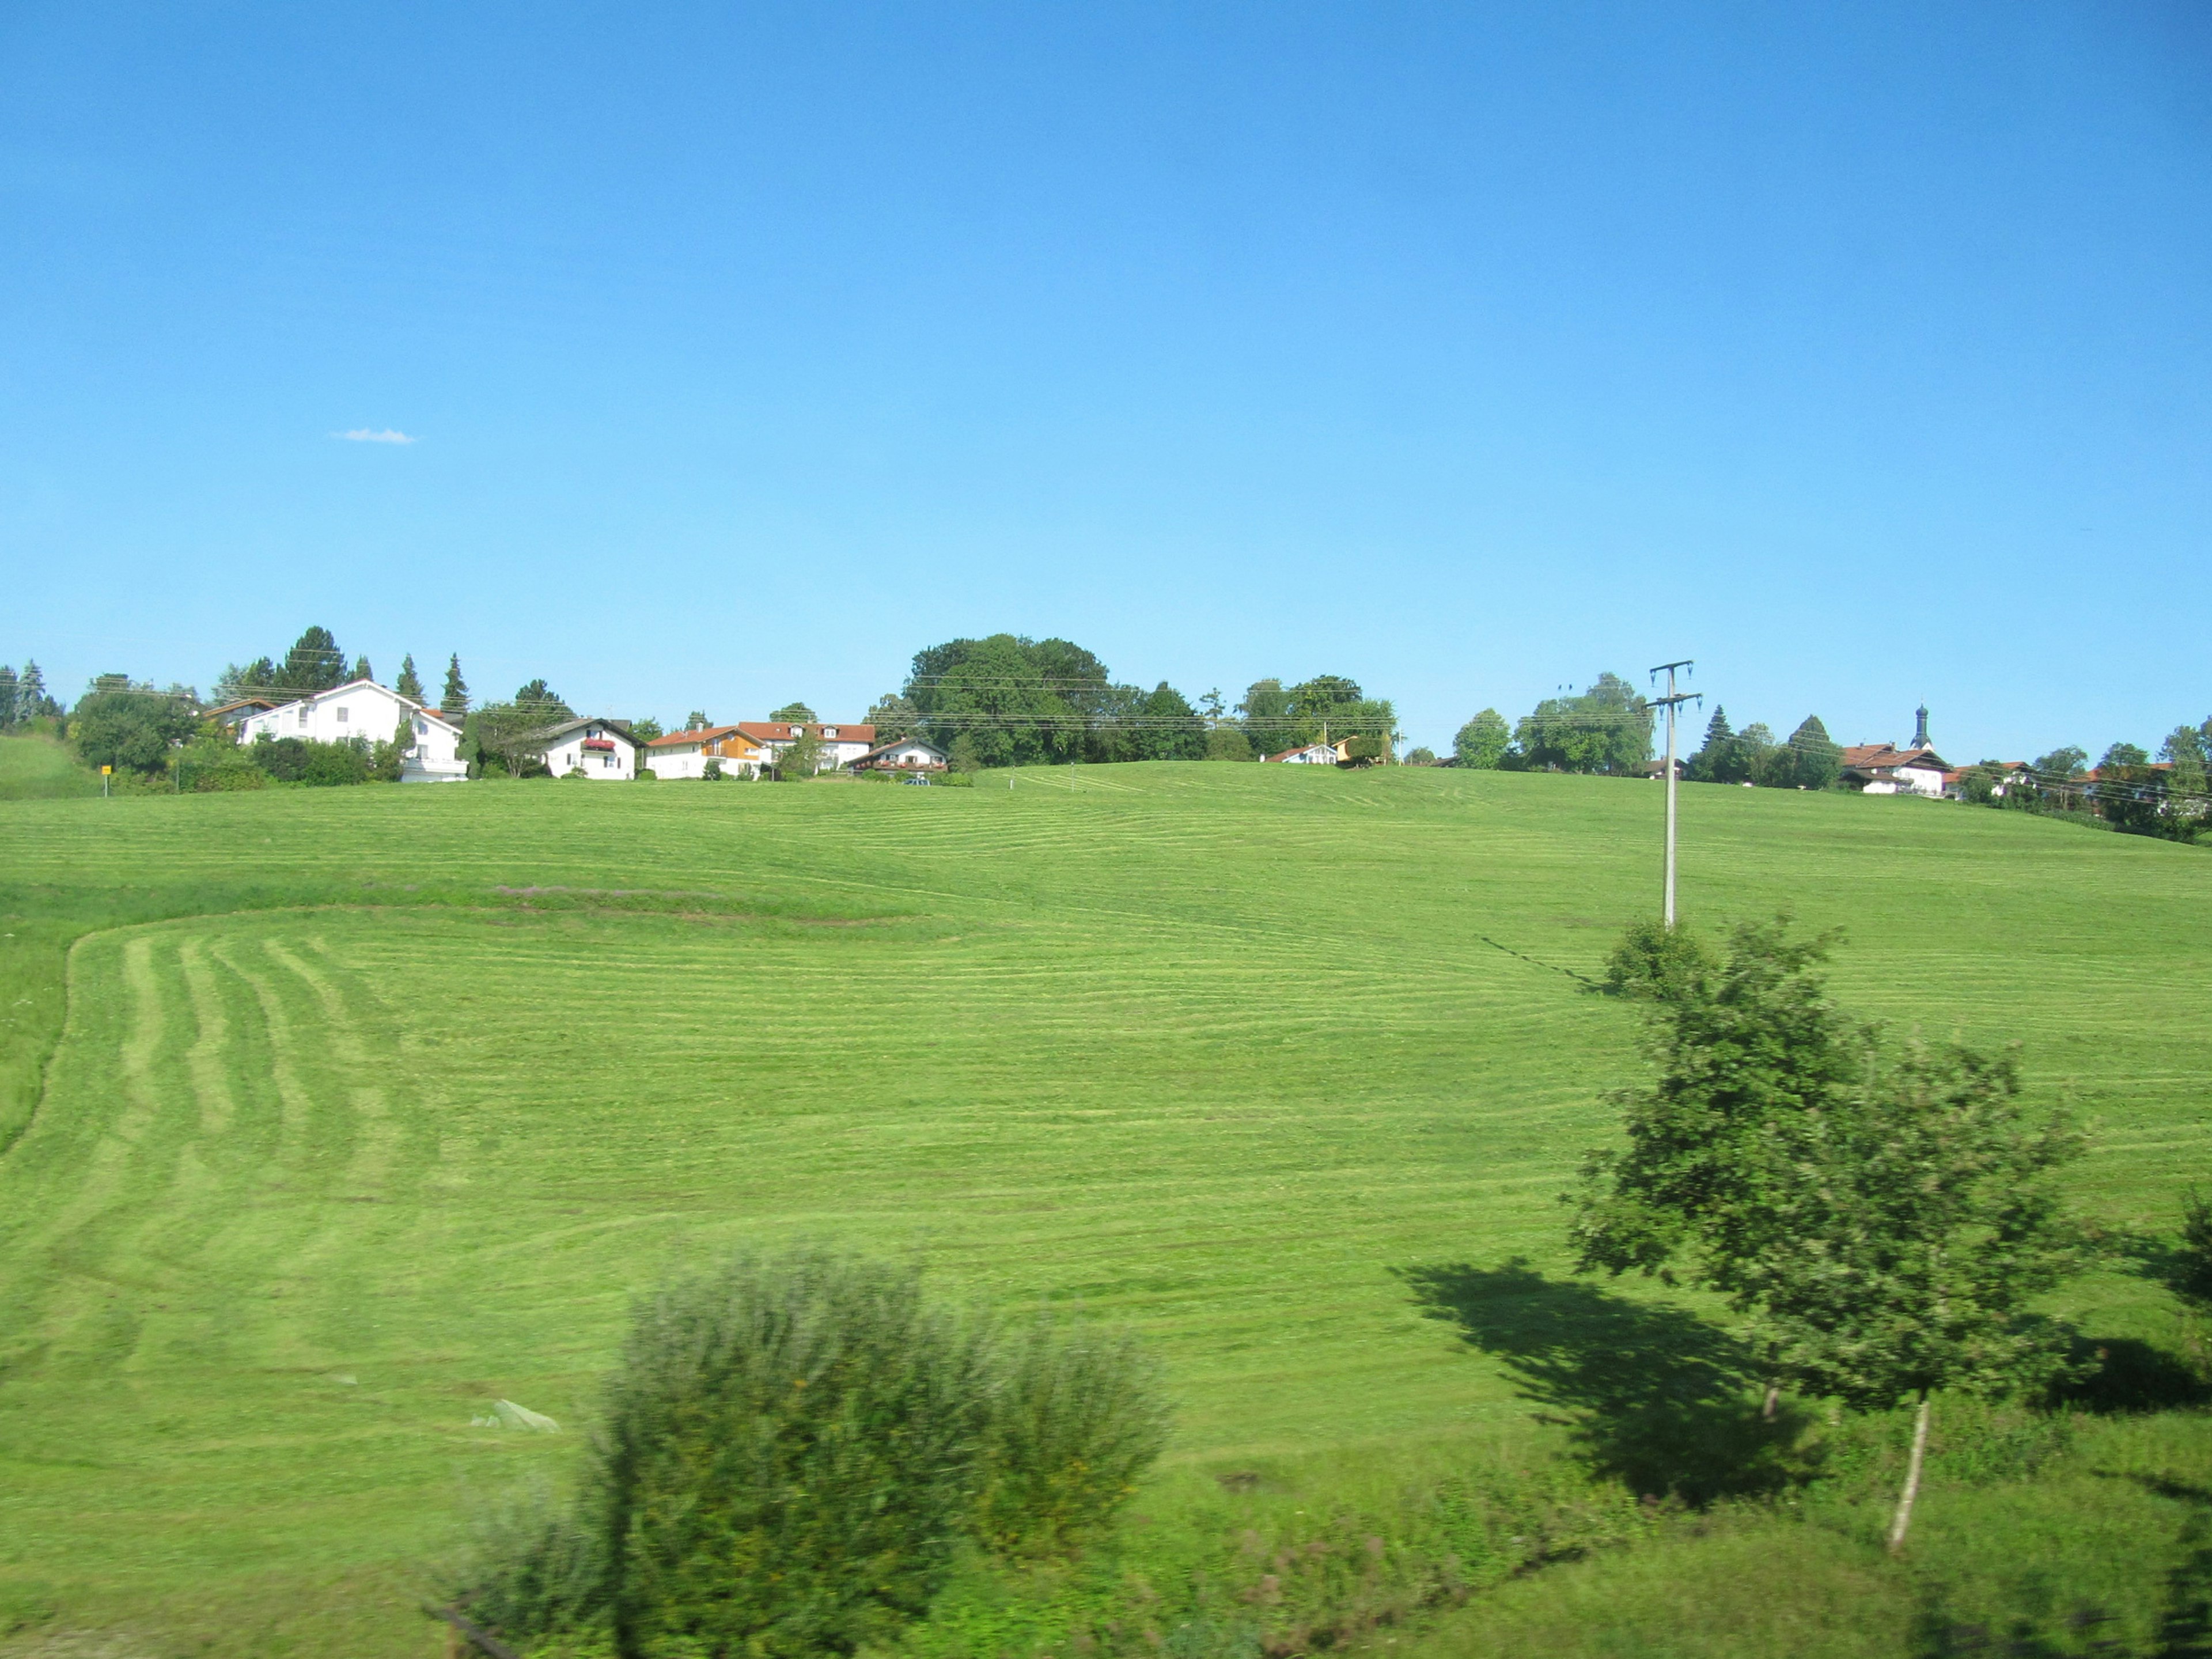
[(427, 710), (1871, 757), (697, 735), (620, 728), (898, 743), (1328, 749), (783, 731)]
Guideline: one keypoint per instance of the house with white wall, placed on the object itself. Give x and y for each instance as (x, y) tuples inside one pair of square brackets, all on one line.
[(374, 713), (842, 744), (687, 754), (900, 755), (603, 749), (1311, 754), (1881, 768)]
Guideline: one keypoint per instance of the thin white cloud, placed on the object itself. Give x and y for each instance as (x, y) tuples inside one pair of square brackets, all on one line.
[(361, 434)]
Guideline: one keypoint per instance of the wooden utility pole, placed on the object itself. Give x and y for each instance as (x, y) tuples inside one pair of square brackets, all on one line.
[(1670, 703)]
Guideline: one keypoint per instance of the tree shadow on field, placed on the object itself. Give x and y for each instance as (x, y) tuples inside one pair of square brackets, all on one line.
[(1652, 1396)]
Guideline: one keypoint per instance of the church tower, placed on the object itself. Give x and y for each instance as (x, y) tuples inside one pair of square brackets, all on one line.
[(1920, 729)]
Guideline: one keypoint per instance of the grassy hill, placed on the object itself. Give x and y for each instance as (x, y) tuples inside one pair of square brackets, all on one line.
[(373, 1106), (40, 769)]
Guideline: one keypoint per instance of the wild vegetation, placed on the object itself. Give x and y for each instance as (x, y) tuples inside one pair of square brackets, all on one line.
[(367, 1110)]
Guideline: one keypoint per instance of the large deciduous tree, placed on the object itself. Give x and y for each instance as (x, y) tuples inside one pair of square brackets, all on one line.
[(129, 726), (1606, 728), (1482, 743)]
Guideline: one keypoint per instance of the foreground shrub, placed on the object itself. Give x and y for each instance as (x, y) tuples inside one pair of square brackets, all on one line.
[(795, 1451)]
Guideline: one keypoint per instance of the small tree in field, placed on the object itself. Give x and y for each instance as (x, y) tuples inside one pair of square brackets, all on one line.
[(1880, 1223)]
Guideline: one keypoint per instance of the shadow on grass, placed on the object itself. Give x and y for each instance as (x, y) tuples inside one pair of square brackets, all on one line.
[(2124, 1374), (1653, 1396)]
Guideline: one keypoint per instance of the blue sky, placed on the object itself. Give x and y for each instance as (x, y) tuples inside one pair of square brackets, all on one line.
[(1860, 352)]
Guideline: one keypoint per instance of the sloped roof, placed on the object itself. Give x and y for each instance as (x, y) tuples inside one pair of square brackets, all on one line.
[(784, 731), (697, 734), (896, 743), (620, 728)]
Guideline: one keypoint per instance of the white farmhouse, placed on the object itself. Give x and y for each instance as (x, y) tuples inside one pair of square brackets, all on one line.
[(1878, 769), (601, 748), (842, 744), (372, 713), (903, 755), (1312, 754), (687, 754)]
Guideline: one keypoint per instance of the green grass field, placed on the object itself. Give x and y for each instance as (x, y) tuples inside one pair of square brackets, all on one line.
[(367, 1107)]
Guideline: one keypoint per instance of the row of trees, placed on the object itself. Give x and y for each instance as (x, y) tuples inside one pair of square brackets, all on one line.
[(23, 697), (2168, 797), (1010, 701), (1606, 728), (1807, 759)]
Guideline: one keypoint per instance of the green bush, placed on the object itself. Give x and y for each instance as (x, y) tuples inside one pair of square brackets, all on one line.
[(796, 1450), (647, 775), (1079, 1417), (319, 765)]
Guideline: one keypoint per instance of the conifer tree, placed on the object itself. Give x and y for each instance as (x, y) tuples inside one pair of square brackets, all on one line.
[(1815, 761), (411, 683), (1712, 762), (7, 696), (31, 694), (361, 669), (313, 664), (455, 703)]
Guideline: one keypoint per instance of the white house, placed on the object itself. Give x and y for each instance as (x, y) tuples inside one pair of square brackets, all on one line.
[(842, 744), (1881, 768), (601, 748), (687, 754), (902, 755), (1313, 753), (374, 713)]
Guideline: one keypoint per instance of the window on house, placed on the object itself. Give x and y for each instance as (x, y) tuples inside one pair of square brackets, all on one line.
[(607, 761), (303, 714), (344, 714)]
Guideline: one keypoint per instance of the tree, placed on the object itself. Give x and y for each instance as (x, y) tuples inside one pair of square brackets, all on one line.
[(539, 696), (1816, 760), (645, 730), (1020, 701), (507, 733), (411, 683), (1482, 742), (1228, 742), (1881, 1223), (361, 671), (313, 664), (1978, 784), (2130, 793), (7, 696), (1716, 761), (1606, 729), (1171, 728), (31, 699), (455, 701), (2184, 753), (964, 756), (800, 759), (894, 717), (696, 720), (1925, 1216), (129, 728), (796, 712), (1765, 762), (1265, 713), (1420, 755)]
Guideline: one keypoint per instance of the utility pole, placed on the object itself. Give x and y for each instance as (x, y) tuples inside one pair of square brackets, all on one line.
[(1673, 700)]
